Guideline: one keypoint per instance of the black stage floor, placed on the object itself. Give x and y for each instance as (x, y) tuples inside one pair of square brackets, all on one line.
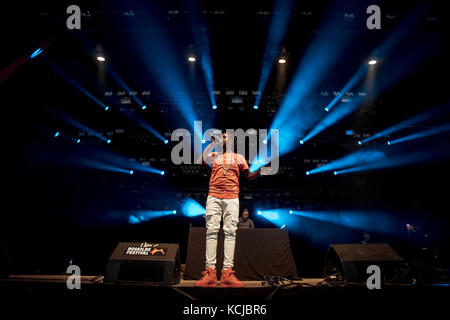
[(313, 297)]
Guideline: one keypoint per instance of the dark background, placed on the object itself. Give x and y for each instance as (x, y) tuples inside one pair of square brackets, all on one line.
[(53, 212)]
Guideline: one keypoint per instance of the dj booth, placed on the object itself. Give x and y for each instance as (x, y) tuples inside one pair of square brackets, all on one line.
[(259, 252)]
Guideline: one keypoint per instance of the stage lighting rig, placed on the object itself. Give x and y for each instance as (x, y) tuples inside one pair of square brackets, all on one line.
[(190, 54), (99, 53), (283, 56)]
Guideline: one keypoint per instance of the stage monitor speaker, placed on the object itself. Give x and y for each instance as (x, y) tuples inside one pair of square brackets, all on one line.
[(147, 262), (349, 262)]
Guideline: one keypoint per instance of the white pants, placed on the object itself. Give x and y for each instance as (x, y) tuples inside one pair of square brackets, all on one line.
[(215, 209)]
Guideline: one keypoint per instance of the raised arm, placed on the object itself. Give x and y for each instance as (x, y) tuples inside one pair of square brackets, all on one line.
[(252, 175), (206, 152)]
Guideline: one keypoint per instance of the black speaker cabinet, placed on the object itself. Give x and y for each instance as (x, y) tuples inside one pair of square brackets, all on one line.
[(350, 261), (147, 262)]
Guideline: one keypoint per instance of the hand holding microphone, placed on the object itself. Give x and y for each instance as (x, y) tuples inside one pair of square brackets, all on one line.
[(217, 139)]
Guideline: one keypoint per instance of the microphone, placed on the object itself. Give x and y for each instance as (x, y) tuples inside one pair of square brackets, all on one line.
[(217, 138)]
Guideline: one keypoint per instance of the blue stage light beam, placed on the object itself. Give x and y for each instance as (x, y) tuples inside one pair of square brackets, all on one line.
[(192, 208), (337, 114), (431, 154), (206, 63), (165, 67), (393, 70), (435, 112), (258, 163), (36, 53), (8, 70), (132, 115), (404, 28), (277, 216), (376, 221), (109, 159), (295, 117), (357, 158), (265, 156), (134, 165), (74, 83), (202, 43), (140, 216), (59, 135), (422, 134), (98, 157), (357, 77), (272, 215), (200, 30), (133, 220), (144, 124), (110, 69), (75, 123), (114, 163), (93, 164), (281, 16)]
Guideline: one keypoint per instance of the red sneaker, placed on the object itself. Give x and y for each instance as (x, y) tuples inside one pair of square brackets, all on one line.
[(208, 280), (228, 279)]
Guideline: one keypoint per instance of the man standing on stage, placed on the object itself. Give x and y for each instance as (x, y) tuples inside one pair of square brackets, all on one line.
[(223, 201)]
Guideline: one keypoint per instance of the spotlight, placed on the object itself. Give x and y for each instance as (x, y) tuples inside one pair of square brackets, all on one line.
[(108, 141), (166, 141), (131, 171), (307, 173), (302, 142), (335, 173), (106, 108), (192, 59), (259, 213), (144, 107), (388, 143), (282, 57), (264, 141), (56, 134), (162, 173), (203, 141), (191, 208), (35, 53), (174, 211), (101, 58), (290, 211), (359, 142), (255, 107), (372, 62), (326, 109), (78, 141), (214, 107)]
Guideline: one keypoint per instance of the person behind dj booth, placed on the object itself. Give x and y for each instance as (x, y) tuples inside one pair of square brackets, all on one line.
[(244, 221)]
